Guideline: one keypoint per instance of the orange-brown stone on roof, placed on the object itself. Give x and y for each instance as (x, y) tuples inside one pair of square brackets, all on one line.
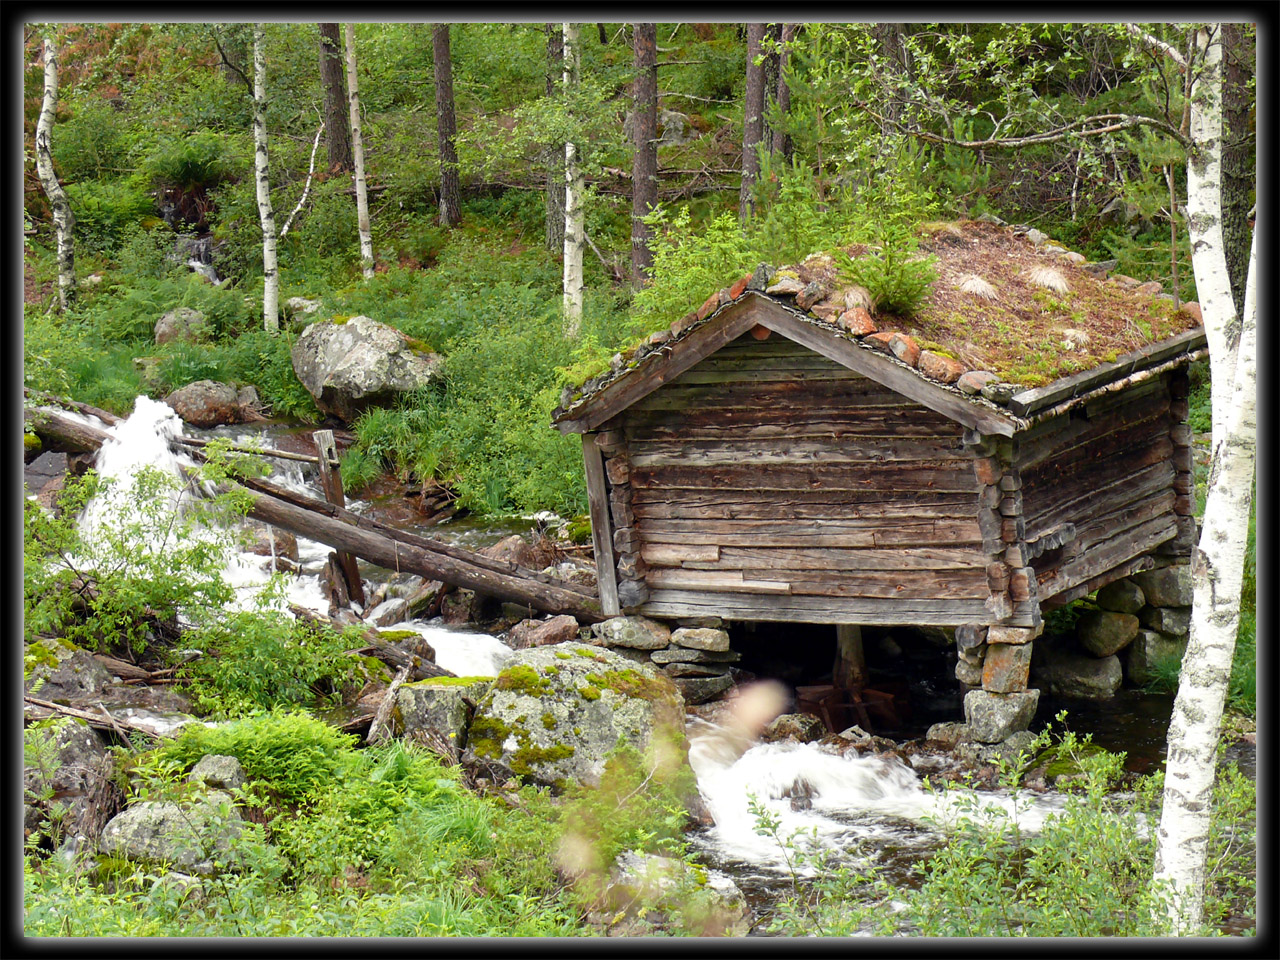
[(857, 321), (935, 366)]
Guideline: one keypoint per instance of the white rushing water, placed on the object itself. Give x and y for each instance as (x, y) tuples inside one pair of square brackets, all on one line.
[(144, 440), (841, 801)]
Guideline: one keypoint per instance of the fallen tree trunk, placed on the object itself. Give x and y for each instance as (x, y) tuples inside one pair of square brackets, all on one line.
[(388, 548)]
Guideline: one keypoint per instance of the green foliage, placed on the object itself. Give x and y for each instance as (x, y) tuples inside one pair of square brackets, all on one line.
[(688, 265), (895, 275), (143, 566), (200, 159), (289, 753), (256, 660), (92, 144), (106, 211)]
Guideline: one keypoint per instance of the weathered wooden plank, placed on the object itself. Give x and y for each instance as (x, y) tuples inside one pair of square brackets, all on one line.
[(1056, 506), (800, 504), (700, 375), (652, 453), (673, 555), (786, 393), (865, 611), (1029, 401), (949, 475), (836, 560), (922, 535), (896, 587), (713, 582), (1037, 444), (1107, 555), (601, 526), (1113, 464), (1136, 565), (845, 423), (1099, 442)]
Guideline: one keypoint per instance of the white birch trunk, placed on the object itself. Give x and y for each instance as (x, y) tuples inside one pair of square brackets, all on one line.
[(64, 220), (270, 268), (1218, 560), (357, 149), (573, 218), (1204, 222)]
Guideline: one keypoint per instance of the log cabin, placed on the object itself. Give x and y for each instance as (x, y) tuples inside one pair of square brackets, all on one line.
[(783, 453)]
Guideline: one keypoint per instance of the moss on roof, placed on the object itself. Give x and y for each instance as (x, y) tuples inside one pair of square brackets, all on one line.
[(1007, 301)]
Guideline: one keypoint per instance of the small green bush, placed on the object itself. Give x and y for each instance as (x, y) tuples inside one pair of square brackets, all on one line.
[(107, 211)]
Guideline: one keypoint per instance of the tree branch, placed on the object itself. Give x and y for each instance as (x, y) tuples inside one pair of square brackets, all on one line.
[(1111, 123), (1158, 45), (311, 169)]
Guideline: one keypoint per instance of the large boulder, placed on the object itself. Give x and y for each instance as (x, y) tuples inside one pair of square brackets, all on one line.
[(1104, 632), (191, 836), (1148, 651), (994, 717), (360, 363), (1067, 673), (555, 713), (65, 778), (57, 670), (1166, 587), (206, 403), (435, 711), (181, 323), (638, 633)]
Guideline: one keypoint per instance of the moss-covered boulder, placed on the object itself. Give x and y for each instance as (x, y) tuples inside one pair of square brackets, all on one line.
[(435, 711), (54, 669), (555, 712)]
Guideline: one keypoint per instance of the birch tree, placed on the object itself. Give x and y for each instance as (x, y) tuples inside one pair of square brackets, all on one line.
[(752, 120), (574, 227), (261, 167), (555, 155), (64, 220), (357, 145), (644, 167), (446, 127), (1218, 559)]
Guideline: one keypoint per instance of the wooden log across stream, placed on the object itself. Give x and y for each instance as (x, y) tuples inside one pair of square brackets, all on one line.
[(368, 539)]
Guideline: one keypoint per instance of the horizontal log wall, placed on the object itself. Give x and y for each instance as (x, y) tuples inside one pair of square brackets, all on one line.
[(769, 483), (1107, 473)]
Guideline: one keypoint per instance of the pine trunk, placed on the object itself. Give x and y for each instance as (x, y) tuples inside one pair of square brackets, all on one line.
[(446, 127), (782, 146), (357, 143), (555, 155), (64, 220), (752, 122), (336, 123), (573, 216), (1218, 560), (644, 169), (262, 180), (772, 66)]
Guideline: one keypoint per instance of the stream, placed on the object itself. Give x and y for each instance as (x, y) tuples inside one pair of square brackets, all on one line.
[(865, 808)]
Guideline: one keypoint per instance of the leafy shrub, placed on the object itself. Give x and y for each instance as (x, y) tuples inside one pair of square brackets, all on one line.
[(93, 143), (289, 753), (107, 211), (200, 159), (144, 565), (258, 660), (688, 265)]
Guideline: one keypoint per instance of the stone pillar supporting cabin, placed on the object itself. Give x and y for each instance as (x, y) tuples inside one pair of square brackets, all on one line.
[(775, 456)]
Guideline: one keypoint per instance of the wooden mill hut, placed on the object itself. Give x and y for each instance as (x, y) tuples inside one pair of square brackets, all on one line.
[(786, 453)]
